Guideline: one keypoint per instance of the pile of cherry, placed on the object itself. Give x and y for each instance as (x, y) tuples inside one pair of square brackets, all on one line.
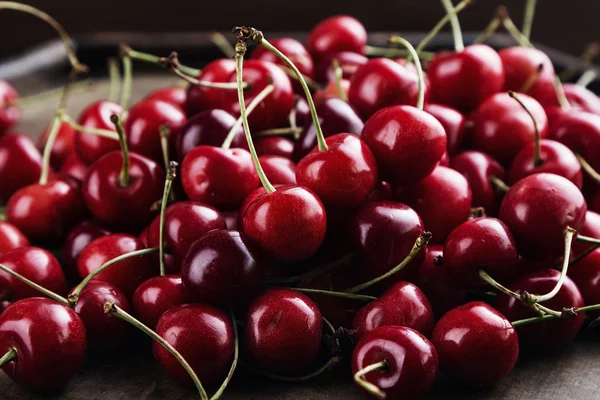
[(363, 227)]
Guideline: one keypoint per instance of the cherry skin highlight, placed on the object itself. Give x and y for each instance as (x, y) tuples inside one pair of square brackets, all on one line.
[(11, 237), (279, 170)]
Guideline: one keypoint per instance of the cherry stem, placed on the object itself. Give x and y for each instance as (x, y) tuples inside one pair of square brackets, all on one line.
[(124, 175), (92, 131), (496, 285), (164, 132), (114, 79), (344, 295), (127, 81), (510, 26), (74, 296), (587, 239), (333, 361), (8, 357), (293, 115), (152, 59), (499, 184), (590, 52), (2, 213), (322, 269), (391, 52), (531, 79), (122, 314), (477, 212), (368, 386), (421, 242), (240, 50), (587, 77), (234, 362), (489, 30), (411, 49), (588, 168), (567, 313), (279, 132), (586, 253), (528, 18), (560, 94), (537, 154), (223, 44), (456, 32), (338, 75), (253, 104), (171, 174), (54, 129), (75, 64), (48, 293)]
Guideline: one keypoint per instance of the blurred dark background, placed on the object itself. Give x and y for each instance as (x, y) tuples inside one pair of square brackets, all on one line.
[(565, 25)]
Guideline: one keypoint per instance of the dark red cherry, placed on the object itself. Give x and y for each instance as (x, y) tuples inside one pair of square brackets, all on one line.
[(123, 205), (348, 61), (219, 177), (10, 113), (464, 79), (289, 224), (49, 341), (271, 337), (174, 95), (411, 361), (544, 335), (274, 110), (63, 144), (203, 335), (537, 209), (380, 83), (73, 167), (35, 264), (586, 275), (279, 170), (591, 228), (443, 200), (157, 295), (274, 146), (384, 233), (476, 344), (302, 111), (480, 243), (222, 268), (90, 147), (343, 175), (556, 159), (201, 98), (335, 116), (127, 274), (582, 98), (408, 143), (11, 237), (335, 34), (20, 164), (580, 131), (521, 65), (452, 121), (143, 124), (79, 237)]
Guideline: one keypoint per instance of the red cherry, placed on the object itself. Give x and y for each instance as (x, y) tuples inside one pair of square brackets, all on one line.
[(73, 167), (11, 237), (219, 177), (407, 142), (521, 64), (580, 131), (89, 147), (343, 175), (174, 95), (64, 144), (443, 200), (582, 98), (478, 168), (411, 361), (591, 228), (35, 264), (476, 344), (537, 209), (544, 335), (79, 237), (452, 121), (348, 61), (20, 164), (203, 335), (335, 34), (157, 295), (464, 79), (49, 341), (127, 274), (586, 275), (201, 98), (274, 146), (273, 322), (9, 110), (279, 170)]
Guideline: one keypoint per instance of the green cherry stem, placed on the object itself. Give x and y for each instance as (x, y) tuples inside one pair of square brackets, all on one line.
[(338, 75), (537, 154), (171, 174), (164, 132), (510, 26), (122, 314), (532, 79), (289, 131), (569, 313), (92, 131), (421, 242), (35, 286), (456, 31), (499, 184), (152, 59), (234, 362), (54, 128), (560, 95), (587, 77), (114, 79), (240, 50), (368, 386), (587, 239), (127, 81), (8, 357), (343, 295), (496, 285), (489, 30), (592, 173), (412, 51), (528, 18), (253, 104), (124, 175), (223, 44), (74, 296)]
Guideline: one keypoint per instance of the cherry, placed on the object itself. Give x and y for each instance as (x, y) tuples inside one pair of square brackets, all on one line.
[(544, 335), (556, 159), (73, 167), (11, 237), (579, 131), (97, 115), (79, 237), (591, 228), (478, 168), (272, 324), (537, 209), (203, 335), (219, 177), (521, 65), (348, 61), (174, 95), (452, 121), (63, 146), (336, 34), (381, 191), (275, 146), (403, 304), (332, 90), (343, 175), (581, 97), (586, 275), (302, 111), (385, 232), (201, 98), (405, 363), (335, 116), (155, 296), (37, 265), (143, 124), (480, 243), (17, 150), (476, 344), (443, 200), (127, 274), (46, 342), (279, 170), (9, 111)]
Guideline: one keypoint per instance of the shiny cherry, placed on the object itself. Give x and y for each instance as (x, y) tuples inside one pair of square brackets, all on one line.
[(174, 95), (155, 296), (20, 164), (586, 275), (274, 146), (10, 113), (79, 237), (521, 65), (591, 228), (279, 170), (335, 34), (90, 147), (11, 237), (64, 144), (581, 97), (201, 98), (452, 121), (348, 61), (580, 131), (73, 167)]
